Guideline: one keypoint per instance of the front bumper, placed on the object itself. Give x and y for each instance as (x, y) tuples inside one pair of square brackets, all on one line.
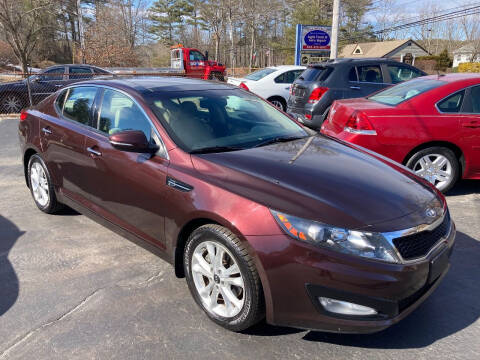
[(294, 275)]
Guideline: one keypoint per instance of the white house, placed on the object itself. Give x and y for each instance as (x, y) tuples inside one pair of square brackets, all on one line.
[(465, 54)]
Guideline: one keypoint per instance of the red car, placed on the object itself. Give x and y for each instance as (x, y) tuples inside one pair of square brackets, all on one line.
[(430, 124)]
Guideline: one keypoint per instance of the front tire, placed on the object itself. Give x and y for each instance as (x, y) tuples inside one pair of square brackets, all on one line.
[(222, 278), (436, 164), (41, 186), (12, 104)]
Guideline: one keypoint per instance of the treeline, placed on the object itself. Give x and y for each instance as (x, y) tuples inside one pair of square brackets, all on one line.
[(240, 33)]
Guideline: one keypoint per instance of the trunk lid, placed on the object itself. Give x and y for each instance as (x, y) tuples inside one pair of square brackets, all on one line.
[(342, 110), (303, 86)]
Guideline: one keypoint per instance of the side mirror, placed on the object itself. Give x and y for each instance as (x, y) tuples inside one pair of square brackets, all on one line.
[(132, 141)]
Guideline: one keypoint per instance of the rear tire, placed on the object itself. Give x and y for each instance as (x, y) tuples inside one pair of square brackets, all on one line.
[(438, 165), (222, 278), (278, 102), (41, 186)]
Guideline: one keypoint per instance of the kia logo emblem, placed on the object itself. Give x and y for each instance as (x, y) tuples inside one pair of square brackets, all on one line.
[(430, 212)]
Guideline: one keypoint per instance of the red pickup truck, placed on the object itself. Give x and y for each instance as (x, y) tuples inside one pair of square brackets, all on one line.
[(194, 64)]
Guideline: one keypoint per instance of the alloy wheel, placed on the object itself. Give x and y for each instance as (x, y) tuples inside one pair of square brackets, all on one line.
[(277, 104), (12, 104), (218, 279), (39, 183), (436, 169)]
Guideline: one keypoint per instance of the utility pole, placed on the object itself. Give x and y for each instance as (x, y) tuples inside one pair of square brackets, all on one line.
[(334, 40)]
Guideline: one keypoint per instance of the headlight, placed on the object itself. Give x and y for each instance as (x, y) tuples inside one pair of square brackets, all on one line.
[(366, 244)]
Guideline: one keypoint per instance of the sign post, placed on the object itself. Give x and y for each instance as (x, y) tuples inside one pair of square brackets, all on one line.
[(312, 43)]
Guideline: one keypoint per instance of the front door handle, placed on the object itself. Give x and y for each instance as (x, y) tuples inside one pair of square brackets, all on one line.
[(94, 152), (355, 87), (46, 130)]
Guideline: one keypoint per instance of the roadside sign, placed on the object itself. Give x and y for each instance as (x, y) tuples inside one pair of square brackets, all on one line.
[(312, 41)]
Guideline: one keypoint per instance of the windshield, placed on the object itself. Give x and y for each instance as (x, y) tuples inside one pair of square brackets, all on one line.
[(260, 74), (221, 120), (396, 94)]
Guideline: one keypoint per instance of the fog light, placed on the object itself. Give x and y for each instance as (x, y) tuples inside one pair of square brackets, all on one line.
[(345, 308)]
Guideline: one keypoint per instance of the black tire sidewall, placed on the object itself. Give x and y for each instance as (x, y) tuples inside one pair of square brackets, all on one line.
[(449, 154), (281, 100), (243, 319), (50, 206)]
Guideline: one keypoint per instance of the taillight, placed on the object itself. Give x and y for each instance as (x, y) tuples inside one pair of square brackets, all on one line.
[(308, 116), (317, 94), (23, 115), (359, 123), (243, 86)]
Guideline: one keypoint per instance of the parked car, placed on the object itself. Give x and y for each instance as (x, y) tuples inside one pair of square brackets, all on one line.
[(430, 124), (315, 90), (240, 199), (14, 95), (271, 83)]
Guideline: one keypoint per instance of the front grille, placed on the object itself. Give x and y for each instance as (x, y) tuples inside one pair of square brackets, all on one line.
[(419, 244)]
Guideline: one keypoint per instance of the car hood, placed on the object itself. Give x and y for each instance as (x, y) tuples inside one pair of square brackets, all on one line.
[(11, 84), (325, 180)]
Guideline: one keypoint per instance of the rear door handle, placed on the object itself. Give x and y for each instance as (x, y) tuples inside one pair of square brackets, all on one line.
[(94, 152), (472, 124), (46, 130)]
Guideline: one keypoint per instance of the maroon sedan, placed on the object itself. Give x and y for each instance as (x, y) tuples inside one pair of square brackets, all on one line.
[(262, 217), (430, 124)]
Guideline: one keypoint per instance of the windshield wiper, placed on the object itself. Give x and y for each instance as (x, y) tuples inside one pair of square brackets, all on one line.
[(278, 139), (215, 149)]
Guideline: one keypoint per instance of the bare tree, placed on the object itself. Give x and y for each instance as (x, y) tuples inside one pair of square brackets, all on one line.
[(20, 22)]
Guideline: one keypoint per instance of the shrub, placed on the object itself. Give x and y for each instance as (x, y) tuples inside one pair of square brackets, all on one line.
[(469, 67)]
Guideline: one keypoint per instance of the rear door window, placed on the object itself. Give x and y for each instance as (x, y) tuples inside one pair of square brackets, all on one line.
[(288, 77), (78, 105), (53, 74), (399, 74), (352, 75), (370, 74), (453, 103)]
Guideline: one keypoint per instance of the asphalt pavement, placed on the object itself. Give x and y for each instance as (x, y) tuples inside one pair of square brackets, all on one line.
[(71, 289)]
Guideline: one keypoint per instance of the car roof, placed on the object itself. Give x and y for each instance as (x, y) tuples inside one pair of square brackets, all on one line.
[(357, 61), (288, 67), (454, 77), (146, 85)]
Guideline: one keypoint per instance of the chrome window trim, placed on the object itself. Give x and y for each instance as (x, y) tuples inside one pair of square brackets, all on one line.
[(119, 143), (162, 152), (390, 236)]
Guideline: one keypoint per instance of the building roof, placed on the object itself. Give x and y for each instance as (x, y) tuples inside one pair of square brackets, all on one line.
[(465, 49), (373, 49)]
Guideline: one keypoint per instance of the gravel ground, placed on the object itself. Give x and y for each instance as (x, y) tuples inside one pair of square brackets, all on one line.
[(71, 289)]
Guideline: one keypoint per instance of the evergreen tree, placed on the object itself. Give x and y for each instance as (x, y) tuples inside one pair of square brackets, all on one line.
[(167, 17), (443, 61)]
